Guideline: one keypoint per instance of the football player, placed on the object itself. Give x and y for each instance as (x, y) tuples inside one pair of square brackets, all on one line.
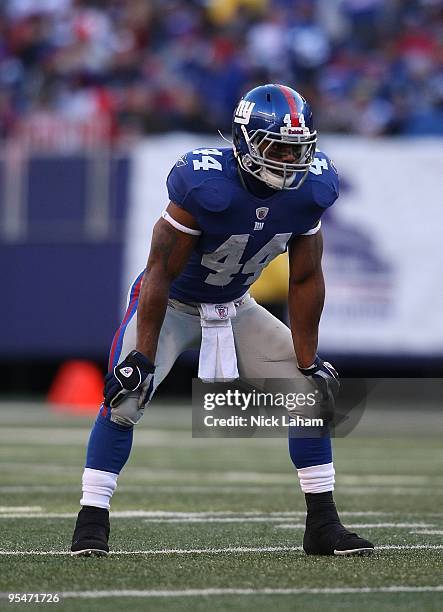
[(231, 211)]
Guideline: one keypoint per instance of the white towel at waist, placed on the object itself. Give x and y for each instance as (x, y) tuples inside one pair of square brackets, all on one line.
[(218, 359)]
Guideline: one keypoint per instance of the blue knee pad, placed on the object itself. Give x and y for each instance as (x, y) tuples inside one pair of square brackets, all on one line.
[(109, 446), (305, 452)]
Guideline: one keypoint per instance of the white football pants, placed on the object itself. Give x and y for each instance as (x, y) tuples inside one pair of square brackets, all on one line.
[(263, 343)]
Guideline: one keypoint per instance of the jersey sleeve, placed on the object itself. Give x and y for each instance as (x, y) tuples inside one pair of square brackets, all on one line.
[(325, 187), (180, 187), (314, 229)]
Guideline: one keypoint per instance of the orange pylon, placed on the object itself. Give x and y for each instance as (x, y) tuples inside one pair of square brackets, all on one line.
[(77, 388)]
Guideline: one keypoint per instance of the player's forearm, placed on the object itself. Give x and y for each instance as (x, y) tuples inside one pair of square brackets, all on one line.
[(151, 312), (306, 299)]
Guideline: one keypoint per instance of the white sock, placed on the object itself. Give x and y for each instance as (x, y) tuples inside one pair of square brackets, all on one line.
[(98, 487), (317, 478)]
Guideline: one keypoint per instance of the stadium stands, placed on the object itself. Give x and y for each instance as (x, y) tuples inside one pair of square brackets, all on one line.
[(143, 67)]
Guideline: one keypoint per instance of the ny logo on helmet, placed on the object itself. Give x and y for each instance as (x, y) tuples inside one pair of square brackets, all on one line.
[(243, 112)]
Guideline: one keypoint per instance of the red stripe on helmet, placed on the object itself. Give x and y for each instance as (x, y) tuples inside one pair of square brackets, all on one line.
[(292, 107)]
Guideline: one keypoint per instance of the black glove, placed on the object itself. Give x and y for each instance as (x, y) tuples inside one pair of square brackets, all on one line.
[(326, 380), (126, 377)]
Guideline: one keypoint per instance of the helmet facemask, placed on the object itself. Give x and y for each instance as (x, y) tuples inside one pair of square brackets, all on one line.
[(262, 160)]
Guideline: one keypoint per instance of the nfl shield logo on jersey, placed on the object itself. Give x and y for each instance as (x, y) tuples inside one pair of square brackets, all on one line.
[(221, 310), (261, 212)]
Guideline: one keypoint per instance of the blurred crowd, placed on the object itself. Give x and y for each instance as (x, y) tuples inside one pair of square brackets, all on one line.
[(141, 66)]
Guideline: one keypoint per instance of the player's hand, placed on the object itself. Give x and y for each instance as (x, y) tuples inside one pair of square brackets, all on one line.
[(126, 377), (325, 377)]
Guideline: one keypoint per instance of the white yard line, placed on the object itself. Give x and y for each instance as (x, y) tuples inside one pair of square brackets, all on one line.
[(276, 519), (267, 488), (233, 519), (268, 591), (74, 436), (248, 591), (209, 517), (366, 526), (384, 479), (377, 481), (215, 551), (20, 509), (223, 513), (371, 490), (153, 488), (428, 532), (150, 518), (289, 513), (163, 514)]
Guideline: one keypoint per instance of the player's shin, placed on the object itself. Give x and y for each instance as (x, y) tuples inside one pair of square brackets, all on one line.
[(108, 450)]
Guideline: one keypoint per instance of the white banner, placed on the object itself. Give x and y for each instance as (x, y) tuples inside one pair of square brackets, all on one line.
[(383, 257), (383, 237)]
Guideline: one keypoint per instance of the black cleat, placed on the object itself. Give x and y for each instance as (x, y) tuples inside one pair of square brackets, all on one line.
[(325, 535), (335, 539), (91, 533)]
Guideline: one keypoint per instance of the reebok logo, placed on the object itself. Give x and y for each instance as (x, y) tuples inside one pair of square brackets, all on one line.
[(127, 371), (221, 310)]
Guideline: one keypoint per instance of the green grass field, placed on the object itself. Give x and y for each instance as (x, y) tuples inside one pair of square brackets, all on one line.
[(217, 524)]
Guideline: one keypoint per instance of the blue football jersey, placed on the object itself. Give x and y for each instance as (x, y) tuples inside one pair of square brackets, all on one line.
[(241, 233)]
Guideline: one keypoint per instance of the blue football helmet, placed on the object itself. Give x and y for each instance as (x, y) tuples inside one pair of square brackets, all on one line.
[(273, 136)]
